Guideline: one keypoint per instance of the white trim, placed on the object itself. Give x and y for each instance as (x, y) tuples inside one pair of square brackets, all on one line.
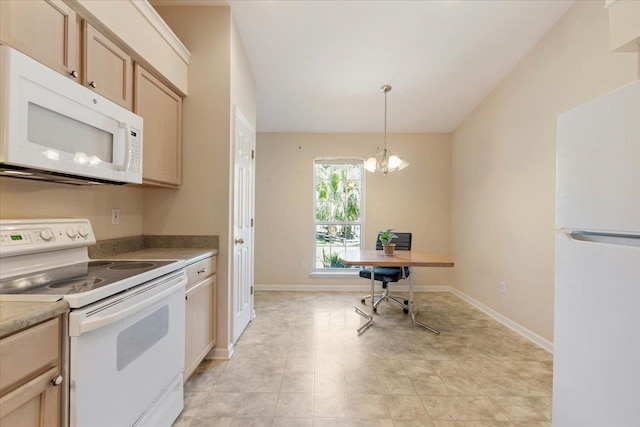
[(149, 13), (609, 3), (221, 353), (191, 2), (516, 327), (322, 273), (362, 287), (333, 274), (366, 288)]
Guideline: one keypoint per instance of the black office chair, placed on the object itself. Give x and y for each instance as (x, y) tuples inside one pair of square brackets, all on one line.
[(387, 275)]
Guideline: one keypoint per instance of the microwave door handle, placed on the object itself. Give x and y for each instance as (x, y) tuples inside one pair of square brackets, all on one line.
[(127, 148)]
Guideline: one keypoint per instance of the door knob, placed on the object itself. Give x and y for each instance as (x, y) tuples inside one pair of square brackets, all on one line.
[(57, 380), (240, 241)]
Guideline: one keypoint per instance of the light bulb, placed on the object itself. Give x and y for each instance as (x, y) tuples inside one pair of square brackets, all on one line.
[(394, 161), (370, 164)]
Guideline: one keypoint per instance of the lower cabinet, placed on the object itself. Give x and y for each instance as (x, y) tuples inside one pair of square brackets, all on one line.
[(30, 376), (200, 304)]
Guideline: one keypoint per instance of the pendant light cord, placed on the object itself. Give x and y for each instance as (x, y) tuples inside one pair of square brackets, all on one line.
[(385, 120)]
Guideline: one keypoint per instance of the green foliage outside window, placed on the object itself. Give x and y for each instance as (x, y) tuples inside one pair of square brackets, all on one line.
[(338, 199)]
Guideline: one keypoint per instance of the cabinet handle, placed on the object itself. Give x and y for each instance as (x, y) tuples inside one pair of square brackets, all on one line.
[(57, 381), (202, 271), (240, 241), (93, 85), (74, 74)]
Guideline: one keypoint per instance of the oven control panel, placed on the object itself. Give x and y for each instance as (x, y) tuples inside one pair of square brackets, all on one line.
[(19, 237)]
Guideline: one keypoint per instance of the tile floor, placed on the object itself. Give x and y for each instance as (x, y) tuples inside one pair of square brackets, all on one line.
[(301, 363)]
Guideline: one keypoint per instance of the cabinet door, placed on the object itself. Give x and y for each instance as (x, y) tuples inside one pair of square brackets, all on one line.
[(108, 70), (199, 325), (34, 404), (46, 30), (29, 361), (161, 110)]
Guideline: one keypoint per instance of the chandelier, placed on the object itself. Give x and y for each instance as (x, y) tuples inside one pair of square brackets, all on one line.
[(385, 161)]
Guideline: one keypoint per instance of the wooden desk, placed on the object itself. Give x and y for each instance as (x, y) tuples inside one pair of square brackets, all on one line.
[(409, 259)]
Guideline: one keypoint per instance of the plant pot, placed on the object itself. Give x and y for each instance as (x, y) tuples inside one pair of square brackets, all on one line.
[(389, 249)]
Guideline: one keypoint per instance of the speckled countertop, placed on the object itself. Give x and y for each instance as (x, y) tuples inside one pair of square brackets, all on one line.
[(15, 316), (189, 255)]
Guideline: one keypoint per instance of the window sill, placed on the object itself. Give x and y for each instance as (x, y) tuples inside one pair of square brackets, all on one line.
[(351, 274)]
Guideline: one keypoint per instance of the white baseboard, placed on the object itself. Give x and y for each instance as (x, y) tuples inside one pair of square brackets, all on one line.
[(221, 353), (361, 287), (514, 326)]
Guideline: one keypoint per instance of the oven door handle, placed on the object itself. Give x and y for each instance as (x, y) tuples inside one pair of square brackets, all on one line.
[(100, 322)]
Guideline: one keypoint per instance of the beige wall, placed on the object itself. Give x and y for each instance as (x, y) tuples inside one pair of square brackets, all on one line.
[(416, 199), (219, 78), (20, 199), (624, 26), (243, 84), (503, 174)]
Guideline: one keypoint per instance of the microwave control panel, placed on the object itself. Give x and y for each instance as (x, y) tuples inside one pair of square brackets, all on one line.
[(135, 162)]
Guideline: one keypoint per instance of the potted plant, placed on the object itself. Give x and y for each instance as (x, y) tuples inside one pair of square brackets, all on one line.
[(385, 238)]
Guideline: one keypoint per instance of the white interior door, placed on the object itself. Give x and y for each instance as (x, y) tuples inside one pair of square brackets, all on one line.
[(243, 197)]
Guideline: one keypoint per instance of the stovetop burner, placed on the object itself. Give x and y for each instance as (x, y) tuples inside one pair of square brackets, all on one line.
[(76, 278), (99, 263), (79, 285), (134, 266)]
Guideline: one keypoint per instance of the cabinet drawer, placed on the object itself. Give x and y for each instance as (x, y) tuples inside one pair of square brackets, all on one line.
[(27, 354), (200, 270)]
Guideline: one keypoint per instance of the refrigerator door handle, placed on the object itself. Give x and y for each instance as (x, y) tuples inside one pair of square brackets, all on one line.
[(608, 238)]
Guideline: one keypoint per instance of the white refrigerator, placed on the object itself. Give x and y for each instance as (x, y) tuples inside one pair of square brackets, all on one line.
[(596, 372)]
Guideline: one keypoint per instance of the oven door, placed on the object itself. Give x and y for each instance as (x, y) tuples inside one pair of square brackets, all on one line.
[(57, 125), (125, 353)]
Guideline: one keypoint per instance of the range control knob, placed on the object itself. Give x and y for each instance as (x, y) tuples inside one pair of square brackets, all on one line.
[(82, 231), (46, 234), (71, 232)]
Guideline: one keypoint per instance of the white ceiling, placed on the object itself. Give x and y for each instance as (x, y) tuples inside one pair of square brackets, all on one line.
[(319, 65)]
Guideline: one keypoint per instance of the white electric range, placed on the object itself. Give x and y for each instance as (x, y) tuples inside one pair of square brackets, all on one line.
[(125, 327)]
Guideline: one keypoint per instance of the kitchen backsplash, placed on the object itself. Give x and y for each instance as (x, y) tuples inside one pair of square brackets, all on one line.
[(110, 247)]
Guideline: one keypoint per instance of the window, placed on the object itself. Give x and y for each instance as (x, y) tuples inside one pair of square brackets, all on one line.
[(338, 210)]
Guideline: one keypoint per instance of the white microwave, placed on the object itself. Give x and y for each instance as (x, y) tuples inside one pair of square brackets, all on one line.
[(52, 128)]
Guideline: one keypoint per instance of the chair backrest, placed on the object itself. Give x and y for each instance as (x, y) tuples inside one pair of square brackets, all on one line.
[(403, 242)]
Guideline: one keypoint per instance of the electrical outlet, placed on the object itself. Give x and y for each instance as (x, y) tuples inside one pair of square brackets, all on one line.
[(115, 216), (304, 265), (503, 287)]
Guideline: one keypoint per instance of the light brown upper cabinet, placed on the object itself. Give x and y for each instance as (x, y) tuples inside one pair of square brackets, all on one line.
[(107, 68), (161, 109), (46, 30)]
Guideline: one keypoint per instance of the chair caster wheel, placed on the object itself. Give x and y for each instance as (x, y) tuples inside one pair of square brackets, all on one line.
[(406, 310), (406, 302), (362, 300)]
